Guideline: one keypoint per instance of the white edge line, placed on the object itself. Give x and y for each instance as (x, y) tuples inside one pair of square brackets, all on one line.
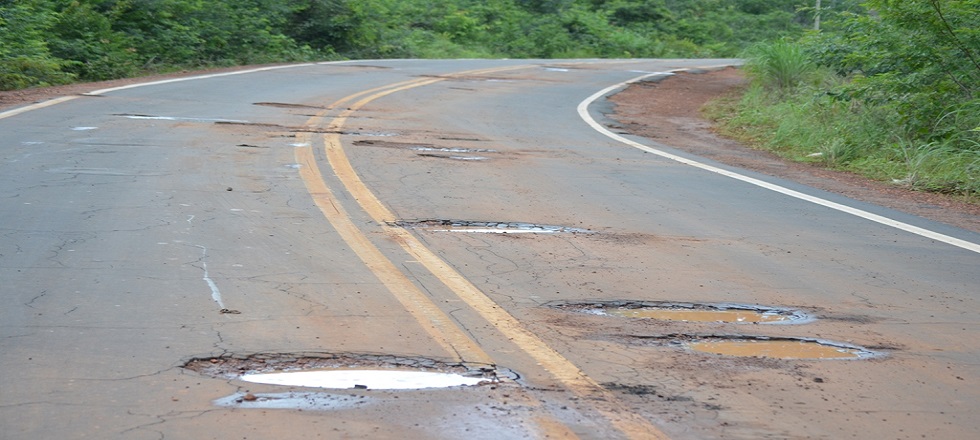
[(583, 111), (193, 78), (40, 105)]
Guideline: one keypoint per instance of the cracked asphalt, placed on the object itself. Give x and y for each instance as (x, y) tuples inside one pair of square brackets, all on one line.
[(132, 246)]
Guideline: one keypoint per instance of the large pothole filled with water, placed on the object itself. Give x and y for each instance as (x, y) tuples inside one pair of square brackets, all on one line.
[(763, 346), (690, 312), (348, 371), (439, 225)]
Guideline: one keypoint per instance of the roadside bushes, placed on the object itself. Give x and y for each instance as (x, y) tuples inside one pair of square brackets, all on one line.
[(863, 100), (25, 60), (55, 41)]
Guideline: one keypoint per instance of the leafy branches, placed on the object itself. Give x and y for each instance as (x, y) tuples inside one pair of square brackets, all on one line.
[(890, 92), (53, 41)]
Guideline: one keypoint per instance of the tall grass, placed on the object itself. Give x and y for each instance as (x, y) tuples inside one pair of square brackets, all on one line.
[(782, 65)]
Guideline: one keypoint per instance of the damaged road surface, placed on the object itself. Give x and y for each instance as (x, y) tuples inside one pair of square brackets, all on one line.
[(452, 249)]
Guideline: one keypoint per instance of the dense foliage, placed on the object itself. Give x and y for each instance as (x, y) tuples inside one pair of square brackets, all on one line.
[(56, 41), (892, 91)]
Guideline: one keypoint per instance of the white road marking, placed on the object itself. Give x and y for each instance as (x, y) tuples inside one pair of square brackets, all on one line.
[(583, 111)]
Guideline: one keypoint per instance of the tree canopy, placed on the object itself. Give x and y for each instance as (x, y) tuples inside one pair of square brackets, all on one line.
[(56, 41)]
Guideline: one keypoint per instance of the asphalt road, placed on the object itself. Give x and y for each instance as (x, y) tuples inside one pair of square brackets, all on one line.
[(157, 241)]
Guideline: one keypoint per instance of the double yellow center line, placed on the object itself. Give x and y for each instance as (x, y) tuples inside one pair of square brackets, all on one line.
[(439, 325)]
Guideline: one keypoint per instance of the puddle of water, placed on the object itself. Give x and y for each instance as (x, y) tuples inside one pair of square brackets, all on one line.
[(735, 316), (365, 379), (304, 401), (779, 348)]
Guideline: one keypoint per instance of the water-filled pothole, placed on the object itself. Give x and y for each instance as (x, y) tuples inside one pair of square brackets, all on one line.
[(348, 371), (394, 379), (691, 312), (767, 347), (488, 227), (424, 148), (453, 149), (454, 157)]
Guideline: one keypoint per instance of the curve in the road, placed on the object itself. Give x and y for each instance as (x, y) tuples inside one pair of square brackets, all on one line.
[(583, 111)]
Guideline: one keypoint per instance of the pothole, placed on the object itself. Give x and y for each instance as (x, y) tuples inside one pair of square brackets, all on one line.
[(295, 129), (766, 346), (348, 371), (176, 118), (453, 150), (488, 227), (453, 157), (395, 379), (424, 149), (691, 312), (289, 105)]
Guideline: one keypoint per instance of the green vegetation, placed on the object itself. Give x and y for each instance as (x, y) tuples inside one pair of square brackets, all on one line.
[(891, 92), (44, 42)]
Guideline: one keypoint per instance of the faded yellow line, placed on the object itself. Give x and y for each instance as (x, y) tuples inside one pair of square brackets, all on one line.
[(620, 416)]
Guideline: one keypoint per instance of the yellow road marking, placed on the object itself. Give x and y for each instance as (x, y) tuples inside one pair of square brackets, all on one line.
[(630, 424), (433, 320)]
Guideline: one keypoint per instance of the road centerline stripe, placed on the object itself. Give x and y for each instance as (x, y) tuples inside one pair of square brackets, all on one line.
[(440, 326), (563, 370)]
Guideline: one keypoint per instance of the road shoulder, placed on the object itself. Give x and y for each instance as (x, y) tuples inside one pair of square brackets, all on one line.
[(668, 111)]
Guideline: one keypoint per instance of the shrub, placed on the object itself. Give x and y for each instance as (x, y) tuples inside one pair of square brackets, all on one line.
[(781, 65)]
